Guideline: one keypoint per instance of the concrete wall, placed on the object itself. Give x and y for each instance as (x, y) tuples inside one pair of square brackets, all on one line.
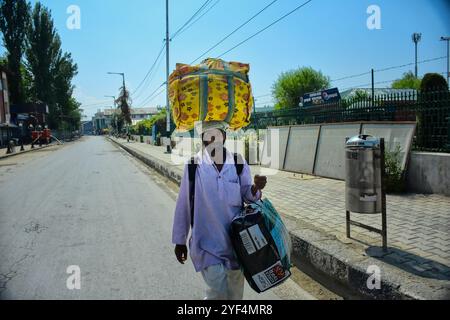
[(429, 172), (147, 139)]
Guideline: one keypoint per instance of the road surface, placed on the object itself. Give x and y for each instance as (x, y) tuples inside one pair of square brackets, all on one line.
[(90, 205)]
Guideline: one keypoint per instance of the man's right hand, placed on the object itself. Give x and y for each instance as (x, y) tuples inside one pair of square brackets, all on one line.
[(181, 253)]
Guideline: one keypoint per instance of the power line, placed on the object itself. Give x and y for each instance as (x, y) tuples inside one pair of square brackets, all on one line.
[(235, 30), (264, 95), (209, 9), (94, 104), (158, 94), (409, 64), (264, 103), (352, 76), (152, 76), (150, 70), (368, 84), (388, 68), (190, 19), (379, 82), (146, 100), (265, 28)]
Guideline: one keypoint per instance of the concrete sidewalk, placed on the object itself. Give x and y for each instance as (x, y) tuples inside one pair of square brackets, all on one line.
[(417, 265), (27, 148)]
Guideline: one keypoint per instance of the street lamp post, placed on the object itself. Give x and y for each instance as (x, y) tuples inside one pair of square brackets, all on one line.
[(416, 37), (169, 147), (121, 74), (448, 62)]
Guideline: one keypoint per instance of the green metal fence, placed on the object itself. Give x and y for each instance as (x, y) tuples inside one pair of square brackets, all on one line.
[(431, 111)]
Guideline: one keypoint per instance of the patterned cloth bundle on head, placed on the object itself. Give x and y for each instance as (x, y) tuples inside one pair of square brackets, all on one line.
[(214, 90)]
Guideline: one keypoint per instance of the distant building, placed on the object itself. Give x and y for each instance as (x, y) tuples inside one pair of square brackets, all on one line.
[(6, 128), (4, 97), (87, 127), (377, 92), (139, 114), (29, 113), (265, 109), (102, 119)]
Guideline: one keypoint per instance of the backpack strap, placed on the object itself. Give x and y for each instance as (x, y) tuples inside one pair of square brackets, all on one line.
[(192, 169), (238, 163)]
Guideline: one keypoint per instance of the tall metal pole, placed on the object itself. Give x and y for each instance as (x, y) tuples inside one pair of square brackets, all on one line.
[(448, 61), (373, 88), (169, 147), (415, 72), (416, 37)]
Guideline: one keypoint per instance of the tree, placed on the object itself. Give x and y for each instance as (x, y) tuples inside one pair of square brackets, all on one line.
[(14, 21), (51, 71), (433, 82), (432, 126), (124, 103), (43, 52), (408, 81), (67, 106), (292, 85)]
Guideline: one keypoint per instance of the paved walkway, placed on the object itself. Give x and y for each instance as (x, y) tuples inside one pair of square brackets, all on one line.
[(27, 148), (418, 225)]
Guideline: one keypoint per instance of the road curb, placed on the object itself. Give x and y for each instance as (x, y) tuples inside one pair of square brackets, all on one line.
[(25, 151), (169, 171), (333, 260)]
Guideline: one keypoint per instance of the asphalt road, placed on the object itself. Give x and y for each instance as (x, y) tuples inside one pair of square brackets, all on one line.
[(91, 205)]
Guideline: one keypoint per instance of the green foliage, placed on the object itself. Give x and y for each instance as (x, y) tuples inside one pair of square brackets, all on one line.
[(117, 121), (292, 85), (43, 52), (145, 126), (433, 82), (394, 182), (50, 71), (14, 21), (358, 98), (408, 81)]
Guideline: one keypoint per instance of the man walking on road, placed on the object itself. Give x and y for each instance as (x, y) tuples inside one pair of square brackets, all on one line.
[(211, 194)]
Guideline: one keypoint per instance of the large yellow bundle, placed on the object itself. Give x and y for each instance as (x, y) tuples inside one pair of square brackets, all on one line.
[(214, 90)]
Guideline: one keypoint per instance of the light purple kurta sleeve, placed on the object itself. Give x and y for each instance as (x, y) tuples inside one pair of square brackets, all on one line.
[(246, 185), (182, 219)]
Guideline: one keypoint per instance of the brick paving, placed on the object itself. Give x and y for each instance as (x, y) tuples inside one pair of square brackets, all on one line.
[(418, 225)]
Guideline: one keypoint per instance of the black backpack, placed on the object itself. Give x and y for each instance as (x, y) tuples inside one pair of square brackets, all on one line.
[(192, 169)]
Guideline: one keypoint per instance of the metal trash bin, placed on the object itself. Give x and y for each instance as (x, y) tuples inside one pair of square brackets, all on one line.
[(364, 190), (363, 174)]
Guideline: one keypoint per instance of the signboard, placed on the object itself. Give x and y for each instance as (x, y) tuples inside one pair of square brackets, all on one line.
[(320, 97)]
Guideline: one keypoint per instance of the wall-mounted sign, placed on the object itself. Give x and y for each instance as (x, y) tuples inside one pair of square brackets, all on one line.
[(320, 97)]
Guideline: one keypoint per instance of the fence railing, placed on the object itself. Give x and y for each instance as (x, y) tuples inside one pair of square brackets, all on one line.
[(431, 111)]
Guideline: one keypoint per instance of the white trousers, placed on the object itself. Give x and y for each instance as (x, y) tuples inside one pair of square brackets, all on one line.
[(223, 284)]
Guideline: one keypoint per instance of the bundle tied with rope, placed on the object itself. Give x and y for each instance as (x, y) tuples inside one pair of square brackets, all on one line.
[(213, 91)]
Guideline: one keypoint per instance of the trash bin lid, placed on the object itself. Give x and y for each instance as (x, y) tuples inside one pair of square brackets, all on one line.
[(363, 141)]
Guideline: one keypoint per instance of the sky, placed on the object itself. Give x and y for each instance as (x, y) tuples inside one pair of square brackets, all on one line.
[(328, 35)]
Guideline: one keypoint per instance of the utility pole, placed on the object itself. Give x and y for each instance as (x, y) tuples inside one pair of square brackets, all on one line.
[(416, 37), (373, 88), (448, 62), (169, 147)]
